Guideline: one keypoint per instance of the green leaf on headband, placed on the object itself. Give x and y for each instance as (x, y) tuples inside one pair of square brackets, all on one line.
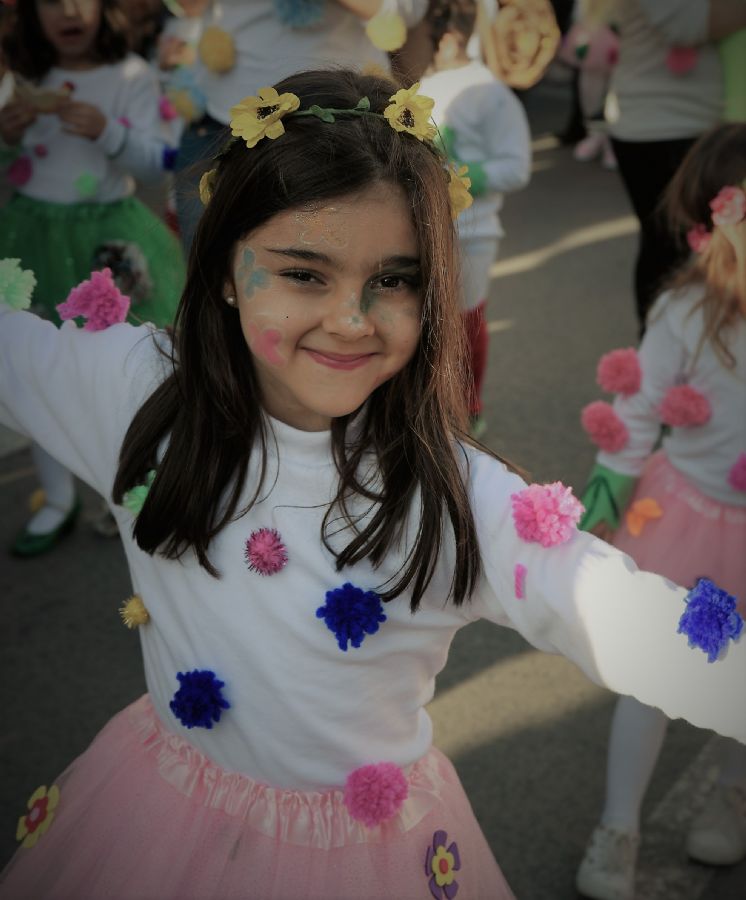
[(324, 114), (363, 103)]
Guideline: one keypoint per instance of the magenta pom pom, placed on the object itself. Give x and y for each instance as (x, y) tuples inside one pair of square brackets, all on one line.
[(604, 427), (698, 238), (519, 579), (19, 171), (166, 109), (546, 514), (375, 793), (98, 300), (265, 552), (684, 407), (729, 206), (123, 120), (619, 372), (681, 60), (737, 474)]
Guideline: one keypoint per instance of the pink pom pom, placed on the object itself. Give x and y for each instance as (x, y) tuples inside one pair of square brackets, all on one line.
[(729, 206), (698, 238), (98, 300), (265, 553), (123, 120), (375, 793), (604, 427), (684, 406), (681, 60), (737, 474), (619, 372), (19, 171), (166, 109), (519, 579), (546, 514)]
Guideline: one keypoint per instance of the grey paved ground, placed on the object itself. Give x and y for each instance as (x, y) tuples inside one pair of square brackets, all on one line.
[(526, 731)]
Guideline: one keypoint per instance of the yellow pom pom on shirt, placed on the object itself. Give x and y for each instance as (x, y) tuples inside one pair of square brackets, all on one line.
[(217, 50), (387, 32)]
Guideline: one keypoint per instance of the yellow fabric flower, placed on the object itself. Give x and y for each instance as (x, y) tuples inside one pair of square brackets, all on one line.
[(217, 50), (442, 865), (387, 32), (458, 190), (257, 117), (41, 805), (134, 613), (207, 186), (639, 513), (411, 113)]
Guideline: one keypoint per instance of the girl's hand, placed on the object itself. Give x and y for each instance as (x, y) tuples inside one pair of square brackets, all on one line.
[(15, 118), (603, 530), (82, 119)]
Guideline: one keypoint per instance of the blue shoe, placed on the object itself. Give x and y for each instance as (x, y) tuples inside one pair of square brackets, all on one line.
[(28, 544)]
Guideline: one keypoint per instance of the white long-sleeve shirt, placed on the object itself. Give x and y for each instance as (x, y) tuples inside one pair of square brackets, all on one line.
[(304, 714), (267, 50), (130, 147), (490, 128), (669, 355)]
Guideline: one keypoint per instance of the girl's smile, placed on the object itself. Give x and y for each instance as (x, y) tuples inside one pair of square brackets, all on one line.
[(328, 322)]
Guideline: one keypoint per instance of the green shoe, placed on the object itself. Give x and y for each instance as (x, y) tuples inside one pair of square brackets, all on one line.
[(27, 544)]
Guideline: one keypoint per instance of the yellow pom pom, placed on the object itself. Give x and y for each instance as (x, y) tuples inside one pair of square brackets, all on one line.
[(217, 50), (387, 32), (133, 612), (37, 500)]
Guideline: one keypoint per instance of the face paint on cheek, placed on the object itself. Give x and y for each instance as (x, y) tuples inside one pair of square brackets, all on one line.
[(263, 343), (249, 276)]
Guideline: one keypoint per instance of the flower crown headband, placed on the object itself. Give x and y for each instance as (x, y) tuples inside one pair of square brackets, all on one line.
[(257, 117), (728, 208)]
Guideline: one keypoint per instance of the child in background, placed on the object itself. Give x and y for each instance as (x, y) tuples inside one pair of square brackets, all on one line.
[(82, 124), (686, 515), (292, 478), (482, 125)]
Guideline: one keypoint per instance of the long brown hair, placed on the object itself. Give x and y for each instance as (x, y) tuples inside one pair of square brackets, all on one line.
[(716, 160), (29, 53), (209, 408)]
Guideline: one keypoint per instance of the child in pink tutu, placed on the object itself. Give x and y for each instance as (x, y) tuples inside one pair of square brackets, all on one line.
[(680, 511), (292, 478)]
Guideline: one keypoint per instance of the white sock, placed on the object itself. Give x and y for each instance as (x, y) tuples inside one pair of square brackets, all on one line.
[(58, 485), (637, 733)]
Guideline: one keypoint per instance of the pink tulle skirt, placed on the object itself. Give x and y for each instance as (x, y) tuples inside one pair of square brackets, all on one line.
[(695, 536), (142, 815)]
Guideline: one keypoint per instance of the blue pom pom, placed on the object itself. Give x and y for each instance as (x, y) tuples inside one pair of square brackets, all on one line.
[(351, 613), (299, 13), (198, 701), (169, 158), (710, 619)]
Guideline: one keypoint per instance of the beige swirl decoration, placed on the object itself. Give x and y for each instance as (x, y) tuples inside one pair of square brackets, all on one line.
[(521, 41)]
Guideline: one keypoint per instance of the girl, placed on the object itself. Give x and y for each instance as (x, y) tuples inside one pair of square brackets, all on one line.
[(84, 119), (686, 517), (292, 483)]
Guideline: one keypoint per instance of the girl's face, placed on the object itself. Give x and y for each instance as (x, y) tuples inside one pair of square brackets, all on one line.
[(71, 27), (329, 302)]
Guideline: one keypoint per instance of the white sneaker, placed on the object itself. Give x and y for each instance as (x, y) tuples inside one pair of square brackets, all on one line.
[(607, 871), (718, 835), (589, 148)]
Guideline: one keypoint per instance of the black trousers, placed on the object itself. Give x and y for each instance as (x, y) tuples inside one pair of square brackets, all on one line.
[(646, 168)]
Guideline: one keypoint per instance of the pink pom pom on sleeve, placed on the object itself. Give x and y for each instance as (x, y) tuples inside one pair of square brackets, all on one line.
[(684, 407), (619, 372), (698, 238), (98, 300), (604, 427), (545, 514), (729, 206), (737, 474), (375, 793)]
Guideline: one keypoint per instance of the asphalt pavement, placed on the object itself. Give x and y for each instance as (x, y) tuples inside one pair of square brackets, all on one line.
[(526, 731)]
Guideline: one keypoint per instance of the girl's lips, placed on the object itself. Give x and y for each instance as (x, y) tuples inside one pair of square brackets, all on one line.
[(340, 360)]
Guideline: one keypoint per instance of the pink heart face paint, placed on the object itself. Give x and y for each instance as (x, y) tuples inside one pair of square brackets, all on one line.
[(325, 324)]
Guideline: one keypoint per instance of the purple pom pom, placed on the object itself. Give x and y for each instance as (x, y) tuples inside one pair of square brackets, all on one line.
[(198, 702), (169, 158), (351, 613), (710, 619)]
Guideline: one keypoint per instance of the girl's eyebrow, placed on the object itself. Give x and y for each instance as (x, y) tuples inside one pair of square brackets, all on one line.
[(302, 253)]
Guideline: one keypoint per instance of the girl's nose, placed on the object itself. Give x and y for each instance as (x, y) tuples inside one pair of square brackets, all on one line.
[(70, 7), (345, 318)]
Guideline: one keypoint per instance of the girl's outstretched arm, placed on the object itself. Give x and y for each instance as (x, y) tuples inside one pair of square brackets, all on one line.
[(580, 597)]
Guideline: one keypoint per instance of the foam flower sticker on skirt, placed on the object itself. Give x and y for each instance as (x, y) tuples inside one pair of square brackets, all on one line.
[(258, 117), (37, 820), (16, 284), (97, 300), (440, 864)]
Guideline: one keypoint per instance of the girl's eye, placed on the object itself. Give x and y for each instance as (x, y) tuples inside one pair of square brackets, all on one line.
[(302, 276), (396, 282)]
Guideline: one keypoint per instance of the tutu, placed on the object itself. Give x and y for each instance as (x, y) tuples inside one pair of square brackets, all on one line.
[(62, 243), (142, 815), (695, 536)]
